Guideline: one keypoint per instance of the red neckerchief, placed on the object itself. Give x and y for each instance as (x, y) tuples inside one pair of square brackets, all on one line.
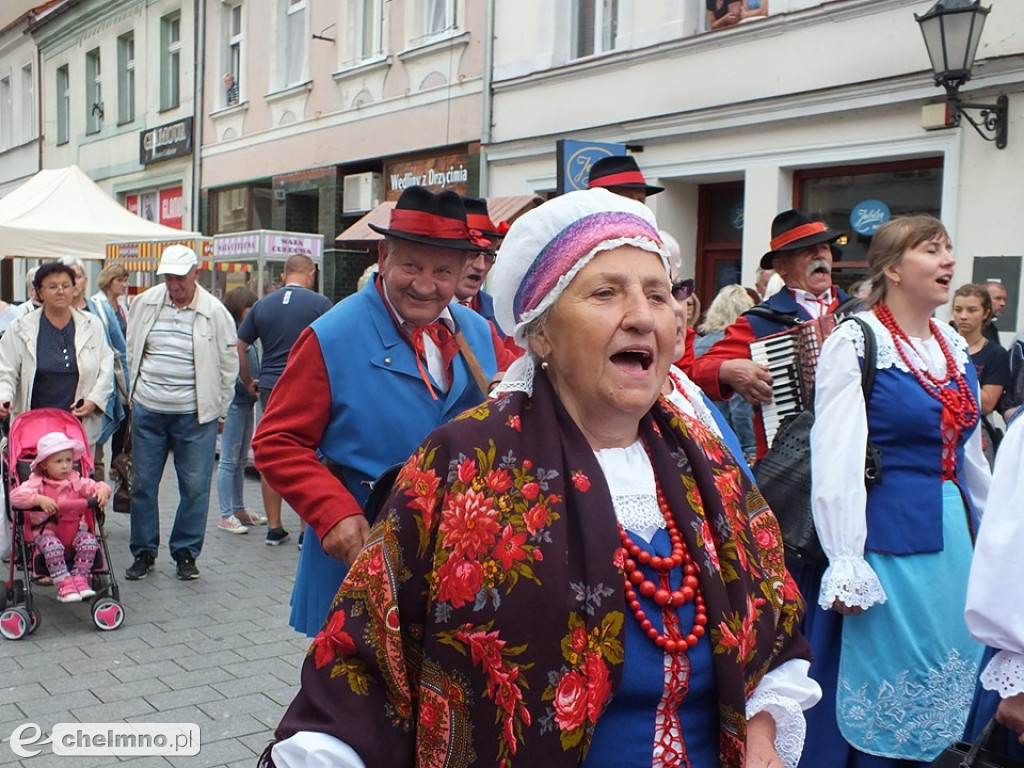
[(439, 334), (473, 302)]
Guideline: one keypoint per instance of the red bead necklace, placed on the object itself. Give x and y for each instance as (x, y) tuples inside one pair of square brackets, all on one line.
[(664, 597), (958, 402)]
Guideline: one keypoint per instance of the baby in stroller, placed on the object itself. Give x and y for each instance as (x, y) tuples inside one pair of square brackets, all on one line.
[(52, 483)]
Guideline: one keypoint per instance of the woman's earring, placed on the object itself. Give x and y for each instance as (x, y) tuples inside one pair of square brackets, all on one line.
[(543, 365)]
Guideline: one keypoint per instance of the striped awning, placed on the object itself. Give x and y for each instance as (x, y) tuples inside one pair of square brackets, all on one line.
[(144, 255)]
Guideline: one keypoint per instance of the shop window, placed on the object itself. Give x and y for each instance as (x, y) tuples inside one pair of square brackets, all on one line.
[(170, 61), (93, 92), (238, 209), (126, 78), (858, 199), (63, 105), (595, 24)]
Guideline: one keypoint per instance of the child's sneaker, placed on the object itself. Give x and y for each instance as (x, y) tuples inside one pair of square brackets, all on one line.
[(67, 591), (83, 586)]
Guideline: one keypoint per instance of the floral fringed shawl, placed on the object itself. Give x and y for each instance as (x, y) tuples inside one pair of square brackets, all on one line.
[(483, 621)]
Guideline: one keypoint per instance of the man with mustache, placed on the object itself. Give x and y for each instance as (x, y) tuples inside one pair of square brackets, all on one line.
[(470, 290), (801, 253)]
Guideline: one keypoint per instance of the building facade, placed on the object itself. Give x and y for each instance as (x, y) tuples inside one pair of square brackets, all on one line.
[(816, 105), (317, 112), (118, 99)]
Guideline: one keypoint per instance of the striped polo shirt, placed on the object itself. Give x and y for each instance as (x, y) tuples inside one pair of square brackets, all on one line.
[(167, 376)]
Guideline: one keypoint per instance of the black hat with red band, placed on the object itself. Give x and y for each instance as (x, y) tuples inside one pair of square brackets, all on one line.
[(620, 171), (792, 230), (420, 216), (479, 218)]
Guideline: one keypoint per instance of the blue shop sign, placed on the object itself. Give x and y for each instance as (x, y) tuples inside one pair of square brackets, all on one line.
[(575, 159), (868, 215)]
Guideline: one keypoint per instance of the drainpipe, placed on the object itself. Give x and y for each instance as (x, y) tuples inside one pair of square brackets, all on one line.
[(198, 107), (487, 103)]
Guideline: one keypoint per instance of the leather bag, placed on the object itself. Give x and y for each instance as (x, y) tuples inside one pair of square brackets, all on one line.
[(121, 473), (977, 755)]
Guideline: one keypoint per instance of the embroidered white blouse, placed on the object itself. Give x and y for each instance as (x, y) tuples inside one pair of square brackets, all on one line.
[(841, 431), (995, 592)]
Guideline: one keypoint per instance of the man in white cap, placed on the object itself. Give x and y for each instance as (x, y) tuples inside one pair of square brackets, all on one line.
[(183, 362)]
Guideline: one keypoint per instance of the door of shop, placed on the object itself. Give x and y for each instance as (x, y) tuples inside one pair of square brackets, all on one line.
[(719, 238)]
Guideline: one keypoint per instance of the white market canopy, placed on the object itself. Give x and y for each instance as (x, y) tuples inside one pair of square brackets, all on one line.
[(62, 212)]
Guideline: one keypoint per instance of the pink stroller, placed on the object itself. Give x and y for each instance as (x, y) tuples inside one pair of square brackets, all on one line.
[(18, 616)]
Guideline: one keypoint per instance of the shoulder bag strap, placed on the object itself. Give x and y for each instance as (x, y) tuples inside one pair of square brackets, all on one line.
[(473, 363), (767, 313)]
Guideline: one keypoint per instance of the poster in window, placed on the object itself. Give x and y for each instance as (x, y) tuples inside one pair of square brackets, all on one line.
[(148, 206), (171, 201), (131, 202)]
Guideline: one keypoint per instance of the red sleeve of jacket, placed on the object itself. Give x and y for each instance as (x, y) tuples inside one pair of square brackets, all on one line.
[(289, 432), (505, 351), (685, 363), (734, 345)]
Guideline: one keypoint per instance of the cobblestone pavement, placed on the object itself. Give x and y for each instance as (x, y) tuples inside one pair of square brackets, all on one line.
[(217, 652)]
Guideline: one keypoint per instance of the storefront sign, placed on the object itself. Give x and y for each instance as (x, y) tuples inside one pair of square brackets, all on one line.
[(166, 141), (575, 158), (229, 246), (868, 215), (289, 245), (438, 173)]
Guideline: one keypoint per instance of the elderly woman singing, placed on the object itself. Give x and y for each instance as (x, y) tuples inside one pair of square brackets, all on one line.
[(576, 572)]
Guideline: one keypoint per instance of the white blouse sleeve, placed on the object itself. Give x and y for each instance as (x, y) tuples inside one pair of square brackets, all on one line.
[(838, 495), (785, 693), (995, 592), (310, 749), (976, 473)]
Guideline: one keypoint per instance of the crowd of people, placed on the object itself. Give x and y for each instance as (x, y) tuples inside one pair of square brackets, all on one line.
[(532, 529)]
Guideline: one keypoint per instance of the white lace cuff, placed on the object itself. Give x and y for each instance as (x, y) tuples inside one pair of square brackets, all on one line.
[(1005, 674), (851, 580), (790, 725)]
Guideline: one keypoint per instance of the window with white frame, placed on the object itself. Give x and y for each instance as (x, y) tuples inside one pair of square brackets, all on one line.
[(6, 113), (233, 55), (126, 78), (93, 92), (63, 105), (28, 102), (594, 26), (170, 61), (440, 16), (292, 34), (368, 26)]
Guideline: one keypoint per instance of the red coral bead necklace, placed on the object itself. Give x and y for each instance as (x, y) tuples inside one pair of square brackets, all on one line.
[(664, 597)]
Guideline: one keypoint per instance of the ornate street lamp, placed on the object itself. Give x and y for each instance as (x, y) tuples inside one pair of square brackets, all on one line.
[(952, 30)]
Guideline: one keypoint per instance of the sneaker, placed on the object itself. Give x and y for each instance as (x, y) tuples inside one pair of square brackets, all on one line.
[(67, 591), (140, 569), (84, 587), (231, 524), (187, 570), (302, 534), (250, 517), (276, 536)]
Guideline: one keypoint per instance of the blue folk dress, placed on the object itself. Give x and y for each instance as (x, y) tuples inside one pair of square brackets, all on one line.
[(898, 678)]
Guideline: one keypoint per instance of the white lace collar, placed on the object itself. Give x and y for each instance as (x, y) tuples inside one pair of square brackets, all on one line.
[(927, 352), (630, 479)]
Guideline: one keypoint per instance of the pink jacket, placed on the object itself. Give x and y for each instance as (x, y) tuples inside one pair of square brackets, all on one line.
[(74, 486)]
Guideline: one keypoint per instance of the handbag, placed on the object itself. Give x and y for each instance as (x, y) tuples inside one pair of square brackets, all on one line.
[(784, 474), (963, 754), (121, 471)]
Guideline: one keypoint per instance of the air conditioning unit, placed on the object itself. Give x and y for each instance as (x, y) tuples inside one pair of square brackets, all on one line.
[(361, 192)]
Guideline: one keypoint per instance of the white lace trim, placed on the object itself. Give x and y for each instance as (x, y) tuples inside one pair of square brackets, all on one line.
[(639, 513), (852, 581), (518, 377), (925, 353), (1005, 674), (790, 725)]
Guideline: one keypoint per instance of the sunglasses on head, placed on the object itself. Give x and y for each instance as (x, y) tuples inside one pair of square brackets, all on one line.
[(682, 289)]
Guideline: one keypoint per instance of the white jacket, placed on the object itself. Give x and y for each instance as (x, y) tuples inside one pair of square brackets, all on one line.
[(214, 347), (95, 365)]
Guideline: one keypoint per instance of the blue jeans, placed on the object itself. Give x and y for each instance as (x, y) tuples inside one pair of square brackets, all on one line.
[(234, 451), (194, 446)]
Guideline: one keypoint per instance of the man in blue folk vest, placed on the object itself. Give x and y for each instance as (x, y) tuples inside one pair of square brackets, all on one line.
[(367, 381)]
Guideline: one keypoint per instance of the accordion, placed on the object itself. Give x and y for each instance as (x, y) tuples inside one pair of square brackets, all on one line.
[(791, 357)]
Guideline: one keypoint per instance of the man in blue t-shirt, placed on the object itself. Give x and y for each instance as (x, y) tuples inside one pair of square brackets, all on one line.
[(277, 320)]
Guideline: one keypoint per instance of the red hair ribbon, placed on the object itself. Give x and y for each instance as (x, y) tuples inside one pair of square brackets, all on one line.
[(804, 230), (618, 179)]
